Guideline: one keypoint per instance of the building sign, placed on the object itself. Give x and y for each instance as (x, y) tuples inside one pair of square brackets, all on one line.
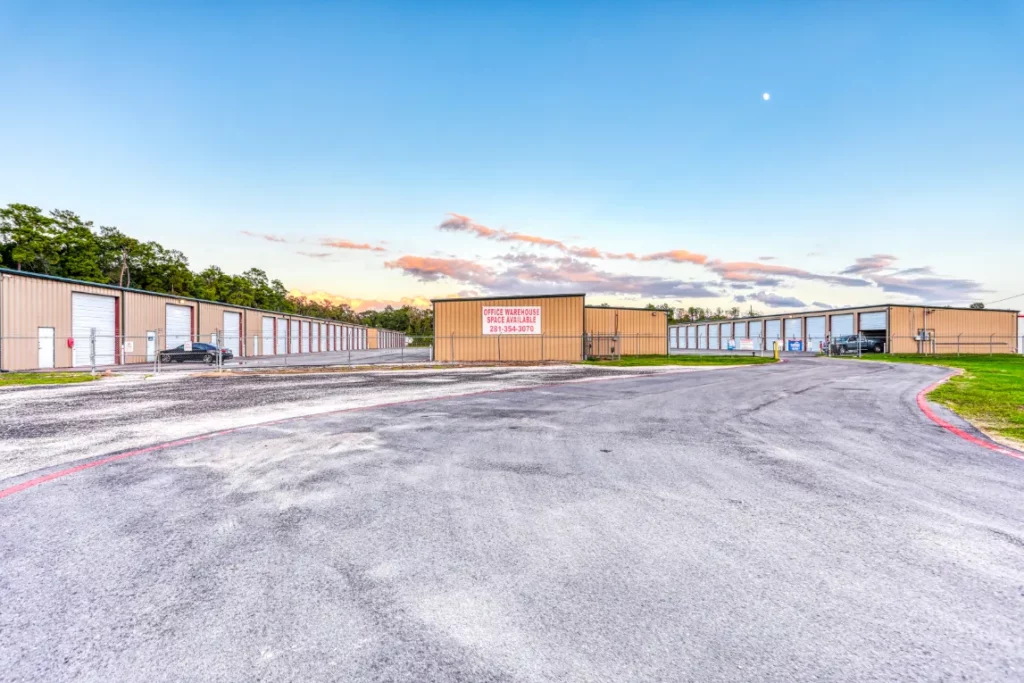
[(511, 319), (795, 345), (746, 344)]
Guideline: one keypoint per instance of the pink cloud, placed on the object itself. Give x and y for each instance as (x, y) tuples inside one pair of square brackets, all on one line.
[(346, 244)]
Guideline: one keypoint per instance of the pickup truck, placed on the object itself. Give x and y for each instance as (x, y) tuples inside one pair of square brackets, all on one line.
[(853, 343)]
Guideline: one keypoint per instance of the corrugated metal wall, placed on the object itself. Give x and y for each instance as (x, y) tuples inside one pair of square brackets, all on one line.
[(955, 331), (640, 332), (458, 331), (26, 304)]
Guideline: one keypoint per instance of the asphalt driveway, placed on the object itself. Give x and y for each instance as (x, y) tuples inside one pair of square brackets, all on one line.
[(774, 523)]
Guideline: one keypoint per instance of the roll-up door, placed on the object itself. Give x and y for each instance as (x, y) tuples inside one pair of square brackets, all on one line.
[(293, 338), (268, 336), (363, 339), (691, 337), (702, 336), (713, 336), (304, 336), (740, 331), (177, 325), (281, 336), (93, 312), (323, 337), (673, 337), (816, 333), (726, 335), (233, 332), (873, 322), (314, 342), (842, 325), (772, 332), (794, 328), (756, 333)]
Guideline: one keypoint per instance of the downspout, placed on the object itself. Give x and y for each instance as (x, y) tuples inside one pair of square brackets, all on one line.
[(3, 276)]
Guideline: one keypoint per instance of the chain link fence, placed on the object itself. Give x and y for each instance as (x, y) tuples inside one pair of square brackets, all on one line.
[(156, 352)]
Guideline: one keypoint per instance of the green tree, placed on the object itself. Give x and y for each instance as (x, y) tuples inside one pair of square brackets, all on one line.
[(27, 239)]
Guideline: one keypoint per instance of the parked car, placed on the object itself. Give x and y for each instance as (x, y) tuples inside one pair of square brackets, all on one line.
[(206, 353), (855, 343)]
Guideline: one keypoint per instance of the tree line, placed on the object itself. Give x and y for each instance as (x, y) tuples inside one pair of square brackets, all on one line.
[(62, 244), (693, 314)]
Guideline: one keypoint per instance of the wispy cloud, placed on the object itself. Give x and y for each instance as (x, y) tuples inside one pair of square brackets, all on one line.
[(264, 236), (919, 282), (347, 244), (767, 274), (314, 254), (869, 264), (776, 300), (543, 275), (459, 223)]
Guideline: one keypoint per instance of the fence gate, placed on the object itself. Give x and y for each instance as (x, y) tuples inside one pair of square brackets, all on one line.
[(603, 346)]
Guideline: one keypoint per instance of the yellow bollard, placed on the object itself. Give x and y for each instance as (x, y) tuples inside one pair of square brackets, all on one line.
[(776, 346)]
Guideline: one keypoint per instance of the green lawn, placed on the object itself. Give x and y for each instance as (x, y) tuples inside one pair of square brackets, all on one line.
[(10, 379), (644, 361), (990, 393)]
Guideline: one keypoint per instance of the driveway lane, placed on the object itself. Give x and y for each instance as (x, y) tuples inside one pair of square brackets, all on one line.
[(709, 526)]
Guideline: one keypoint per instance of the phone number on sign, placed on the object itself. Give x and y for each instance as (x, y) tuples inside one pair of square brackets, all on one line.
[(512, 329)]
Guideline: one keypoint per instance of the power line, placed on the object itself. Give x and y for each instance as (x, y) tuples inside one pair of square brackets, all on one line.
[(1006, 299)]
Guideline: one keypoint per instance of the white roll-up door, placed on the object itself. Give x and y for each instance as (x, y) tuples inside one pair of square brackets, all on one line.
[(673, 337), (726, 334), (281, 336), (314, 342), (874, 322), (233, 332), (268, 336), (93, 312), (794, 328), (177, 325), (691, 337), (304, 336), (364, 341), (815, 333), (740, 331), (702, 336), (293, 337), (842, 325), (772, 332), (713, 336), (756, 333)]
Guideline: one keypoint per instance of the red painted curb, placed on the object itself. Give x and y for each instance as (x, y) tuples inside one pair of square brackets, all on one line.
[(922, 403), (31, 483)]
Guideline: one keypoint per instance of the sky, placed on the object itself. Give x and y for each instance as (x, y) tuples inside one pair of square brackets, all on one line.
[(392, 152)]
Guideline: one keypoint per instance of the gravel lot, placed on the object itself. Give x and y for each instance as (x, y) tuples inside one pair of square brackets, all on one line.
[(799, 522)]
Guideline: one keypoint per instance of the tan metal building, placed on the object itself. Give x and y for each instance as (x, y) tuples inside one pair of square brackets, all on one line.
[(509, 329), (52, 322), (627, 331), (896, 328)]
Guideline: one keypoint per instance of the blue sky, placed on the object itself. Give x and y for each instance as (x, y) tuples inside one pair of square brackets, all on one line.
[(893, 135)]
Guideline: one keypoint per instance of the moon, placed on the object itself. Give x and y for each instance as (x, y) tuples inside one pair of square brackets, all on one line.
[(765, 96)]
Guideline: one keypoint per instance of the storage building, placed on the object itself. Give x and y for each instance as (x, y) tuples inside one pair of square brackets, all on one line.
[(894, 328), (617, 331), (512, 328), (51, 322)]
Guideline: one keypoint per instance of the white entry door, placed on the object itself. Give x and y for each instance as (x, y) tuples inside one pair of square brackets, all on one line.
[(46, 347), (151, 346)]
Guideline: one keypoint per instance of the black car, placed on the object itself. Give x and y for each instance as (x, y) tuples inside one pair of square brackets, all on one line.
[(855, 343), (206, 353)]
